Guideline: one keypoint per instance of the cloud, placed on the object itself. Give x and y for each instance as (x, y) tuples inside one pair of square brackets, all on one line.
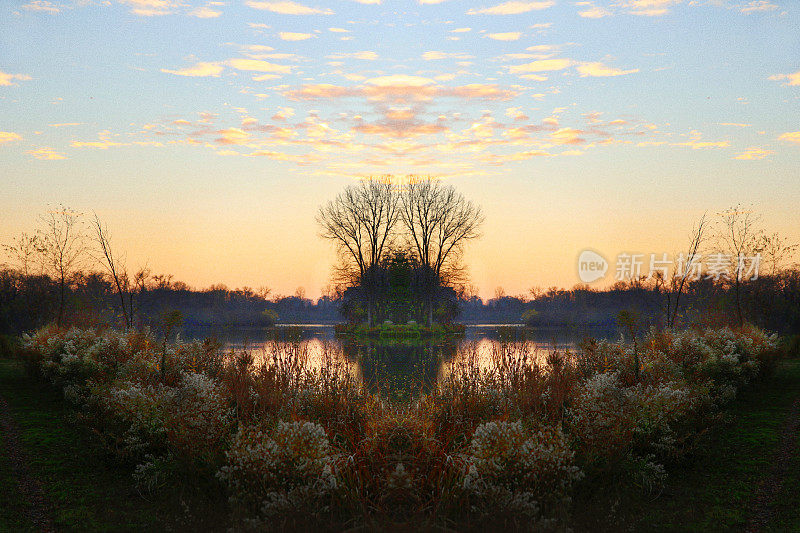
[(292, 36), (205, 13), (7, 79), (349, 75), (735, 124), (338, 30), (9, 136), (259, 66), (320, 91), (754, 154), (598, 69), (507, 36), (103, 144), (791, 79), (283, 113), (365, 55), (460, 30), (594, 12), (542, 65), (516, 113), (435, 56), (696, 144), (790, 136), (64, 124), (651, 8), (567, 136), (287, 7), (514, 7), (42, 6), (46, 153), (478, 90), (151, 8), (201, 69), (400, 89), (232, 136), (400, 124), (256, 48), (545, 47), (757, 6)]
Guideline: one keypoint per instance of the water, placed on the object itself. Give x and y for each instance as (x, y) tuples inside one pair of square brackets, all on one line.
[(400, 368)]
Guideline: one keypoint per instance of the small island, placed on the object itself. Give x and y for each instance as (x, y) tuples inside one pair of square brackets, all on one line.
[(391, 331)]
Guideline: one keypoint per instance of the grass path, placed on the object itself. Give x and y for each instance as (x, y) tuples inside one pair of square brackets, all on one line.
[(30, 500), (79, 488), (764, 508)]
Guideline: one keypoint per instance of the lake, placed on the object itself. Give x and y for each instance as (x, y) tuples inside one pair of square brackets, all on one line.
[(397, 368)]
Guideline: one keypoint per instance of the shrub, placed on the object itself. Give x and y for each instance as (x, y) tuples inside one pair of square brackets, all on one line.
[(298, 441), (286, 476), (519, 476)]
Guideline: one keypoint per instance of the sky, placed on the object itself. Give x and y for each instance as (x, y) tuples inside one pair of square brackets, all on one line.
[(205, 134)]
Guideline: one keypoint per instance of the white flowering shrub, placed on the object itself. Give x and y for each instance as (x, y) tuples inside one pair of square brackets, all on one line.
[(136, 416), (199, 417), (726, 359), (116, 378), (601, 420), (288, 472), (513, 471)]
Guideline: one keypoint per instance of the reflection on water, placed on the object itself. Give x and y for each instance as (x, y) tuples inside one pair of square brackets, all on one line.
[(401, 369)]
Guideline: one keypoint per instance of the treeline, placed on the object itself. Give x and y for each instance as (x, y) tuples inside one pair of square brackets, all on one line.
[(579, 306), (28, 302), (772, 301), (69, 272), (732, 272)]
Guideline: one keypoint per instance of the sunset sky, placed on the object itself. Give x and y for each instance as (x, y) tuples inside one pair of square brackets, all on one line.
[(207, 133)]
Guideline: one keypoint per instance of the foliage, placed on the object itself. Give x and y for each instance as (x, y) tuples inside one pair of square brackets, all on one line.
[(299, 442)]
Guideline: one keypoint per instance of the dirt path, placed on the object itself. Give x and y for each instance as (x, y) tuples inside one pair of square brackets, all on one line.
[(38, 510), (762, 512)]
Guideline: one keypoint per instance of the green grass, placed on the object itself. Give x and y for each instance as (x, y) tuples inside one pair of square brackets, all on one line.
[(87, 489), (714, 488), (394, 332), (12, 506)]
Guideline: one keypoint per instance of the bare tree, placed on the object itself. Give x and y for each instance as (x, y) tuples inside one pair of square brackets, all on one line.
[(776, 250), (116, 268), (361, 221), (26, 251), (740, 238), (63, 247), (679, 278), (439, 220)]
